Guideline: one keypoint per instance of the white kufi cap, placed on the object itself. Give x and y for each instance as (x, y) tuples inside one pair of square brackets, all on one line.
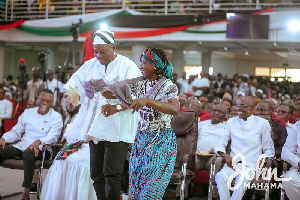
[(104, 37)]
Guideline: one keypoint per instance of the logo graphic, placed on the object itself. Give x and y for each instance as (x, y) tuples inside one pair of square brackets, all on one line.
[(260, 170)]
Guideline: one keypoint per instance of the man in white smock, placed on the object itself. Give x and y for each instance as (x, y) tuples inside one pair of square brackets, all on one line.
[(109, 136), (250, 136)]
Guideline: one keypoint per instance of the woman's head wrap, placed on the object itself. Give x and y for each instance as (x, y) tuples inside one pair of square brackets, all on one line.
[(153, 59), (104, 37)]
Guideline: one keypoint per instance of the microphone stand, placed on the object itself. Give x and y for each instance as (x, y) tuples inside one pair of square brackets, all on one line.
[(22, 69), (58, 74)]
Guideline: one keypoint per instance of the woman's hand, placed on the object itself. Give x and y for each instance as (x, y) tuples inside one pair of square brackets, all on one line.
[(108, 95), (138, 104), (108, 110)]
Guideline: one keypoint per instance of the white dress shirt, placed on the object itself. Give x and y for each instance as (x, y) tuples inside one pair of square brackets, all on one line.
[(186, 87), (6, 108), (200, 82), (209, 134), (253, 90), (45, 128), (291, 148), (51, 85), (289, 127), (251, 138), (121, 126)]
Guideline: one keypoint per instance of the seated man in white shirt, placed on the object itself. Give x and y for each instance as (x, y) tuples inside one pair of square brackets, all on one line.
[(40, 125), (291, 154), (209, 133), (250, 137), (6, 108)]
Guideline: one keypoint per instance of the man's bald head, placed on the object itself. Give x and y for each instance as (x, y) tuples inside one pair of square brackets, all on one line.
[(182, 99), (264, 108), (250, 101), (218, 113), (195, 106), (246, 107), (36, 72)]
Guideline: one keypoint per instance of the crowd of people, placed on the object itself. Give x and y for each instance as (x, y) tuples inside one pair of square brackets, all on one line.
[(244, 111), (112, 107)]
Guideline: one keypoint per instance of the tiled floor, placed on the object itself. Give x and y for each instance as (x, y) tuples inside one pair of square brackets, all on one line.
[(11, 182)]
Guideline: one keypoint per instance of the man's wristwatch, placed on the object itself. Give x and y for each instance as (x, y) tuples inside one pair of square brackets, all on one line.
[(118, 107)]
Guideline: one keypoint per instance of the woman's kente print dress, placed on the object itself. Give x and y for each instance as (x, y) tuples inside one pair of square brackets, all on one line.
[(154, 151)]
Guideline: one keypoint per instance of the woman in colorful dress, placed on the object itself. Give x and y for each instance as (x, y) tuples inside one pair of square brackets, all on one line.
[(154, 150)]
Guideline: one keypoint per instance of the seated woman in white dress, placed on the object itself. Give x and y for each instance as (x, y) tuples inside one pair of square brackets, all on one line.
[(69, 176)]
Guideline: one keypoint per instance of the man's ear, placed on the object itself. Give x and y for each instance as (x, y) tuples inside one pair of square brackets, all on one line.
[(114, 47)]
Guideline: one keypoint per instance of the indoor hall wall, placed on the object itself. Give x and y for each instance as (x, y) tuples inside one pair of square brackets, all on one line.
[(13, 56), (231, 66)]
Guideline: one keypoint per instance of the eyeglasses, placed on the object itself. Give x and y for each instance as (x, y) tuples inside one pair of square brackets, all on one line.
[(219, 111), (242, 106), (261, 110), (281, 111), (44, 100)]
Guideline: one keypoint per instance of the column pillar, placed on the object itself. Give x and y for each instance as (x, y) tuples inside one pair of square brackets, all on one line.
[(206, 61), (52, 57), (178, 61), (2, 55), (137, 49)]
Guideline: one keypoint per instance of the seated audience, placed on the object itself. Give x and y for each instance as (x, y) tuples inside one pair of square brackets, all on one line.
[(279, 134), (258, 95), (204, 101), (250, 136), (279, 130), (208, 108), (183, 101), (227, 96), (233, 111), (291, 154), (40, 125), (209, 133), (195, 106), (227, 103), (284, 112), (5, 109), (297, 109), (217, 100), (203, 115)]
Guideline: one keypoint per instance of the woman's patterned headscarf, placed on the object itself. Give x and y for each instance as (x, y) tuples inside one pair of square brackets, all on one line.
[(153, 59)]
